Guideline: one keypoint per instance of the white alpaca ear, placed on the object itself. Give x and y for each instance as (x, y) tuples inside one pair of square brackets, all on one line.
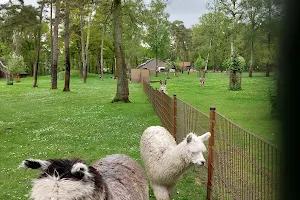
[(35, 164), (189, 137), (205, 136)]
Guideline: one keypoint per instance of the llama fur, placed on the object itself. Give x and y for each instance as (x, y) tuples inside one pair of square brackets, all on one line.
[(165, 161), (114, 177)]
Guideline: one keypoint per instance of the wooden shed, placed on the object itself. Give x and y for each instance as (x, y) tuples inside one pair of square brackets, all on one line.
[(140, 74), (185, 66), (151, 65)]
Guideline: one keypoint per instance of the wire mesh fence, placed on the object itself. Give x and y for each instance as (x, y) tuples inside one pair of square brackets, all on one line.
[(240, 164)]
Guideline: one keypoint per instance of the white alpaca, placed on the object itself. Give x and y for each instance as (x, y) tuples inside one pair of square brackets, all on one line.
[(114, 177), (163, 86), (165, 161)]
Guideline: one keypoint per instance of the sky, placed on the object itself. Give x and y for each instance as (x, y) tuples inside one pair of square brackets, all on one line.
[(187, 11)]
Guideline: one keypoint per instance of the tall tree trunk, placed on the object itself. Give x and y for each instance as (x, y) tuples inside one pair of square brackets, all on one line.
[(102, 44), (67, 47), (122, 82), (87, 43), (101, 54), (55, 46), (269, 55), (16, 42), (98, 64), (252, 19), (84, 64), (207, 58), (9, 78), (232, 35), (38, 47), (251, 56), (51, 36), (269, 40)]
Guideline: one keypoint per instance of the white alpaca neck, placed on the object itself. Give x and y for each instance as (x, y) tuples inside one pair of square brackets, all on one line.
[(175, 161)]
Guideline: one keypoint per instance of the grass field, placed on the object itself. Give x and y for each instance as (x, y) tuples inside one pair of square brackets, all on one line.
[(248, 108), (43, 123)]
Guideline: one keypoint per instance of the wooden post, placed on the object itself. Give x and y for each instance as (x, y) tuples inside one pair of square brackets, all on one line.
[(212, 121), (174, 115)]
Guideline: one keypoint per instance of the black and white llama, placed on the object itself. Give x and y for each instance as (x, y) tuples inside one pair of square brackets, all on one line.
[(114, 177)]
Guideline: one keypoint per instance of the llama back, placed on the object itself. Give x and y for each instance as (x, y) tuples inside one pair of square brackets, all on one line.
[(124, 177), (155, 141)]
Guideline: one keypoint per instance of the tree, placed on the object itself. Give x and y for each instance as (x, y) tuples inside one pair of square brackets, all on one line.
[(122, 79), (180, 39), (133, 25), (38, 46), (270, 18), (158, 30), (252, 10), (67, 47), (211, 38), (85, 46), (55, 46), (18, 25), (16, 65), (200, 66), (234, 9)]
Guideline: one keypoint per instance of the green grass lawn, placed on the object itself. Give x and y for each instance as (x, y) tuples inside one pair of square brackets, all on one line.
[(248, 108), (42, 123)]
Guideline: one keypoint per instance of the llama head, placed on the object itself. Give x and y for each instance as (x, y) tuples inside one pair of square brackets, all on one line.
[(163, 86), (195, 147), (63, 179)]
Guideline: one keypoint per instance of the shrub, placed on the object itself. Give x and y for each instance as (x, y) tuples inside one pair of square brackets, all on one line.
[(16, 64), (61, 75), (272, 93), (236, 63), (200, 63)]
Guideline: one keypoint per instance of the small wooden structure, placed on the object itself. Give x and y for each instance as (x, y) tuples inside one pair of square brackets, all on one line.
[(140, 74), (184, 66)]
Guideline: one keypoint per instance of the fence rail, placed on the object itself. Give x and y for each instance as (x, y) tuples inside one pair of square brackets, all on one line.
[(240, 164)]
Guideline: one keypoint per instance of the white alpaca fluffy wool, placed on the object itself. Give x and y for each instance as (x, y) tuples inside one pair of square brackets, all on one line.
[(165, 161)]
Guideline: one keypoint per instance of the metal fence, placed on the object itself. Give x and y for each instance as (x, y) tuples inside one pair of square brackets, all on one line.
[(240, 165)]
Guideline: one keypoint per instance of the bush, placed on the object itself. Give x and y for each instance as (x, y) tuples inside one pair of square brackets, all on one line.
[(236, 63), (200, 63), (61, 75), (272, 93), (16, 64)]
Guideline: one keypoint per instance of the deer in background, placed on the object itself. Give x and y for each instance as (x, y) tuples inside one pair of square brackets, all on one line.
[(163, 86)]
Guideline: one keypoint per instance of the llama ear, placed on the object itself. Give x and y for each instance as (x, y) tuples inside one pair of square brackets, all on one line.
[(189, 138), (205, 136), (160, 81), (35, 164), (166, 82)]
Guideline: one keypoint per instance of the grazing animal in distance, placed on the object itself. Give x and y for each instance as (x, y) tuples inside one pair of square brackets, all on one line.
[(163, 86), (202, 81), (114, 177), (165, 161)]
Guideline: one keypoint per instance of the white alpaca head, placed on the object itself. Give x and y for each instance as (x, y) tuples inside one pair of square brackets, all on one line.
[(195, 147), (163, 86), (64, 179)]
